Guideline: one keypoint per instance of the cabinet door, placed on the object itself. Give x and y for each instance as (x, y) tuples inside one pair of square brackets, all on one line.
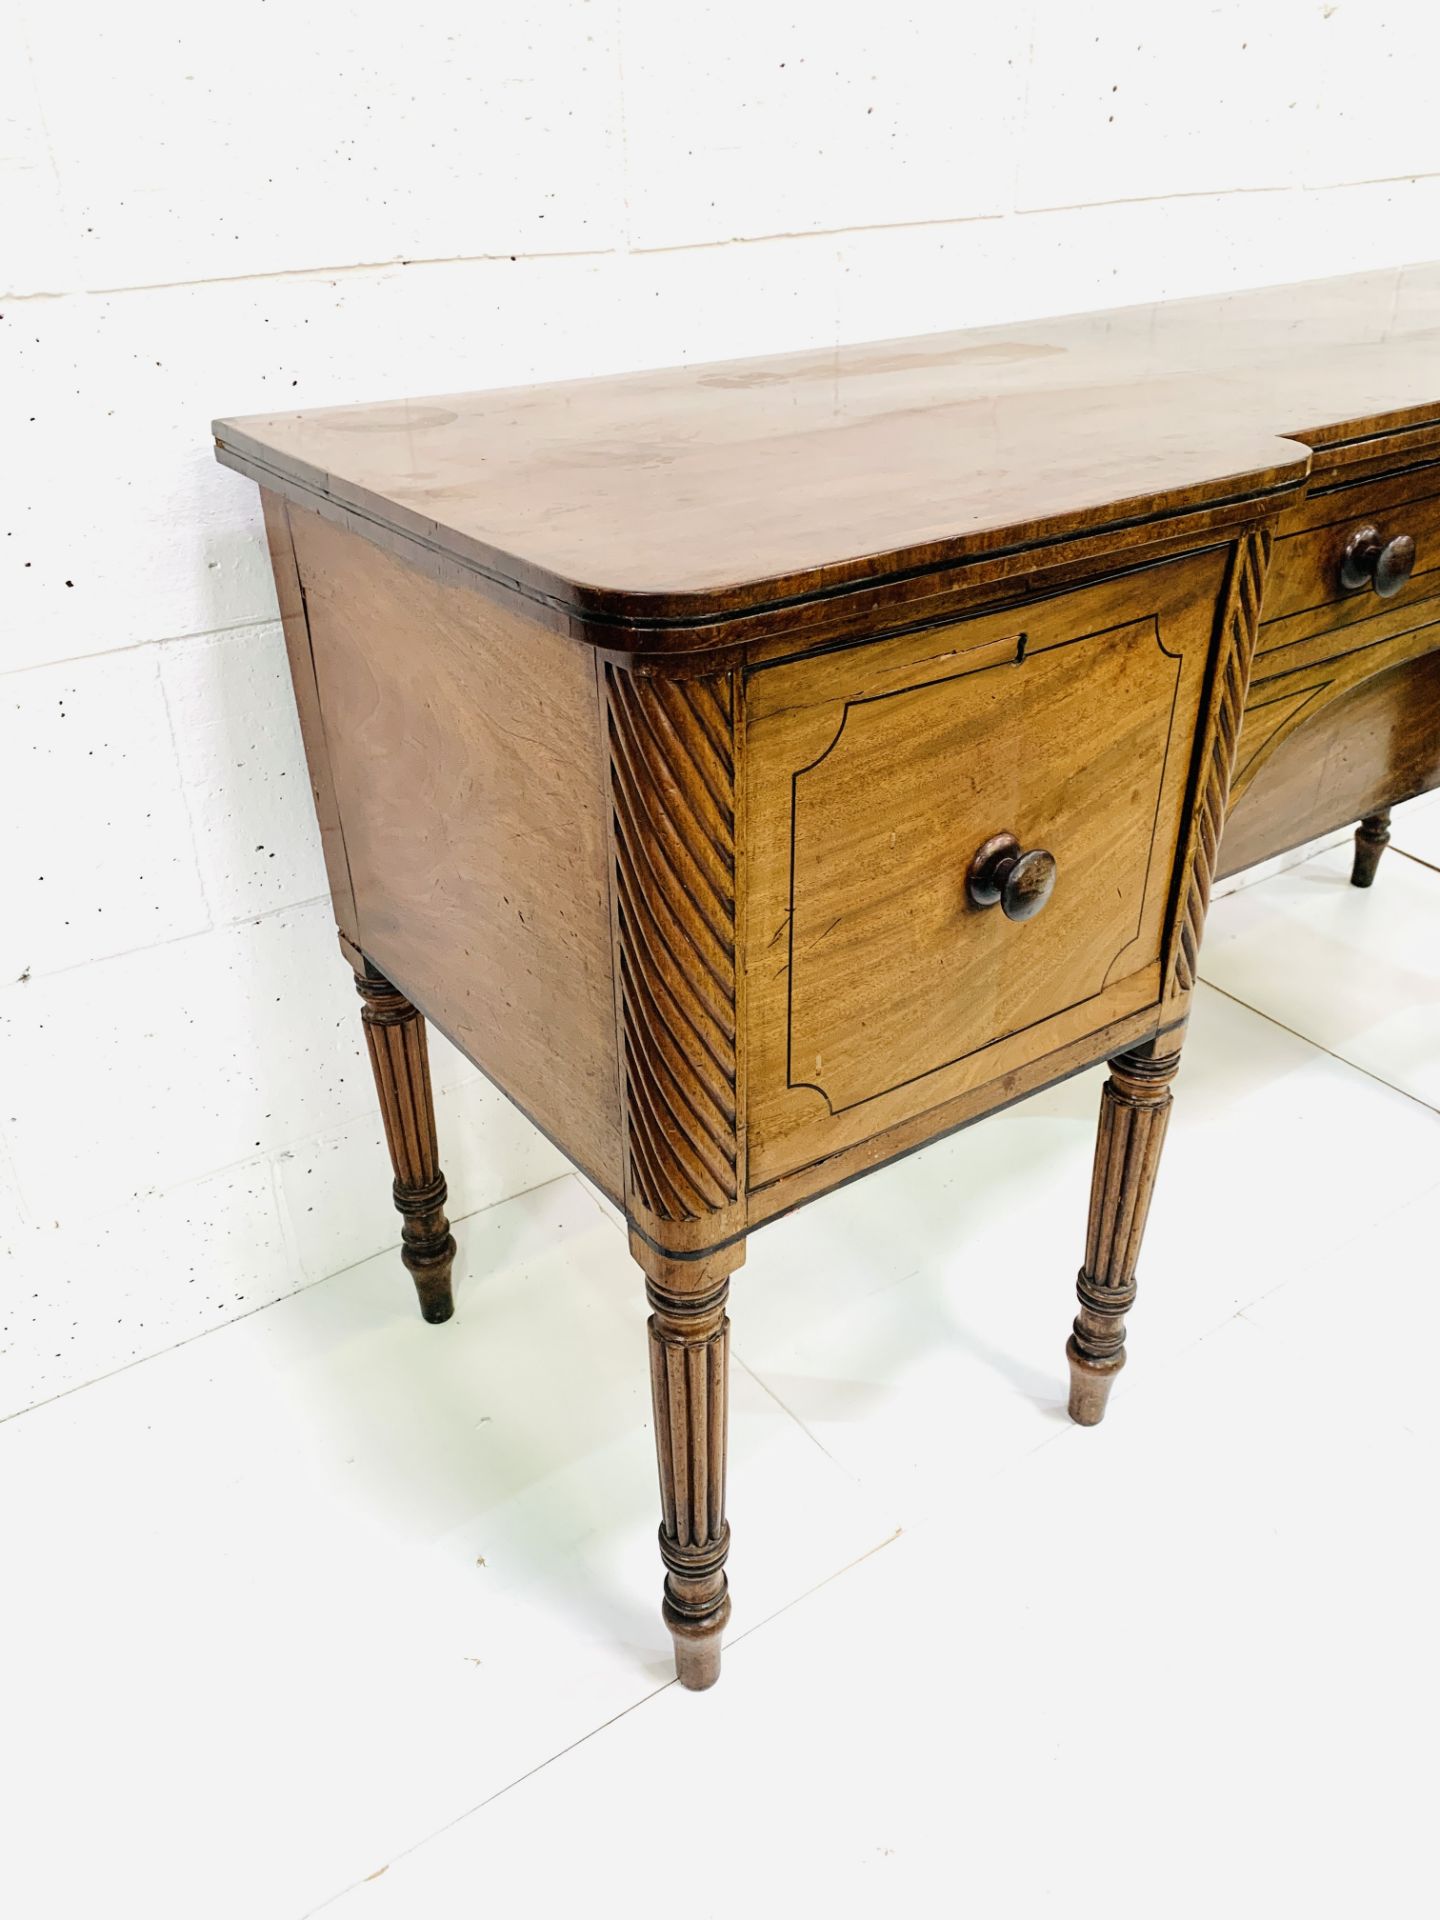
[(876, 986)]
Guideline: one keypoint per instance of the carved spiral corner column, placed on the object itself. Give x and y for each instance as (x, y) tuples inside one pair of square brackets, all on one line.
[(1134, 1113), (672, 761), (673, 826), (400, 1060), (689, 1378), (1235, 651), (1372, 836)]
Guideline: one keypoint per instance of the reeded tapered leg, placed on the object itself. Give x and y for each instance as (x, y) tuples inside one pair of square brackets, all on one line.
[(395, 1035), (689, 1369), (1372, 836), (1134, 1111)]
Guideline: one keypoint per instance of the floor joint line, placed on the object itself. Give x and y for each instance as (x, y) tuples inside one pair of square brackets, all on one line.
[(1319, 1047)]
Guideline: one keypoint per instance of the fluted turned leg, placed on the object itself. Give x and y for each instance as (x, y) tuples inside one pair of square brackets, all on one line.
[(1134, 1112), (689, 1369), (1372, 836), (395, 1035)]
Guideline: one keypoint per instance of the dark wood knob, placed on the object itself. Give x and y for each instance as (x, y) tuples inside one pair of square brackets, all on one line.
[(1369, 561), (1018, 883)]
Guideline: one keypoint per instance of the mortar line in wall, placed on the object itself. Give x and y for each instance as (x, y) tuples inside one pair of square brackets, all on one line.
[(1213, 193), (171, 940), (479, 259), (814, 233), (11, 1181), (624, 127), (289, 1231), (692, 246), (263, 1306), (138, 646), (238, 1168), (42, 121), (1145, 200), (324, 272), (366, 1113), (627, 248), (1375, 180), (1007, 213), (185, 801)]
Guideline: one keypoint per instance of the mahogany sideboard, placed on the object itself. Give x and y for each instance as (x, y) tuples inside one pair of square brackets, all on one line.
[(762, 769)]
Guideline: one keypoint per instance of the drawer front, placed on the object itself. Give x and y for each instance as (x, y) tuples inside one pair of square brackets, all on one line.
[(1291, 687), (876, 988), (1316, 758), (1304, 594), (1319, 643)]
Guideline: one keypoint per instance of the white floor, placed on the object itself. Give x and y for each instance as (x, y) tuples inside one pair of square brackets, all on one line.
[(331, 1610)]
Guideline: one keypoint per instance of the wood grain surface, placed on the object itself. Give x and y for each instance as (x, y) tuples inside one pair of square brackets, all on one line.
[(470, 774), (1372, 836), (312, 721), (1134, 1114), (875, 990), (400, 1061), (716, 902), (1304, 591), (1341, 713), (673, 825), (1375, 743), (689, 1381), (676, 494), (1215, 751)]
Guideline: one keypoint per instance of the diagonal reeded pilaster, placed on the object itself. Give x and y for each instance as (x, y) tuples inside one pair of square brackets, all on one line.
[(673, 797)]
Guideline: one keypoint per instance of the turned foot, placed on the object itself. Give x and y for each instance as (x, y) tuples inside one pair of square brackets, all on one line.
[(1134, 1111), (1372, 836), (427, 1247), (400, 1059), (696, 1633), (1091, 1379)]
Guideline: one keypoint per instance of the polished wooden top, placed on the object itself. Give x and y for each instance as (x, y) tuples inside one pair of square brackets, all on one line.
[(709, 490)]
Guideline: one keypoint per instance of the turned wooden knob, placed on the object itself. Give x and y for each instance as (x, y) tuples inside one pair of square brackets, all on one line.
[(1369, 561), (1018, 883)]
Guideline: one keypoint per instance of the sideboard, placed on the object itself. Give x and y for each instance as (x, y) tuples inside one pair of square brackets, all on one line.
[(762, 769)]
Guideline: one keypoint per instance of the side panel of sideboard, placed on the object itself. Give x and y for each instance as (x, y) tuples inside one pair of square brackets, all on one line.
[(307, 706), (466, 749)]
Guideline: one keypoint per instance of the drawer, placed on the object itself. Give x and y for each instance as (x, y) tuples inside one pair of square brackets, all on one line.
[(1314, 759), (1291, 688), (876, 988), (1304, 594)]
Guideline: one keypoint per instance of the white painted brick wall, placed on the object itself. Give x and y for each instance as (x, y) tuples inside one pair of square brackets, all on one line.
[(219, 210)]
